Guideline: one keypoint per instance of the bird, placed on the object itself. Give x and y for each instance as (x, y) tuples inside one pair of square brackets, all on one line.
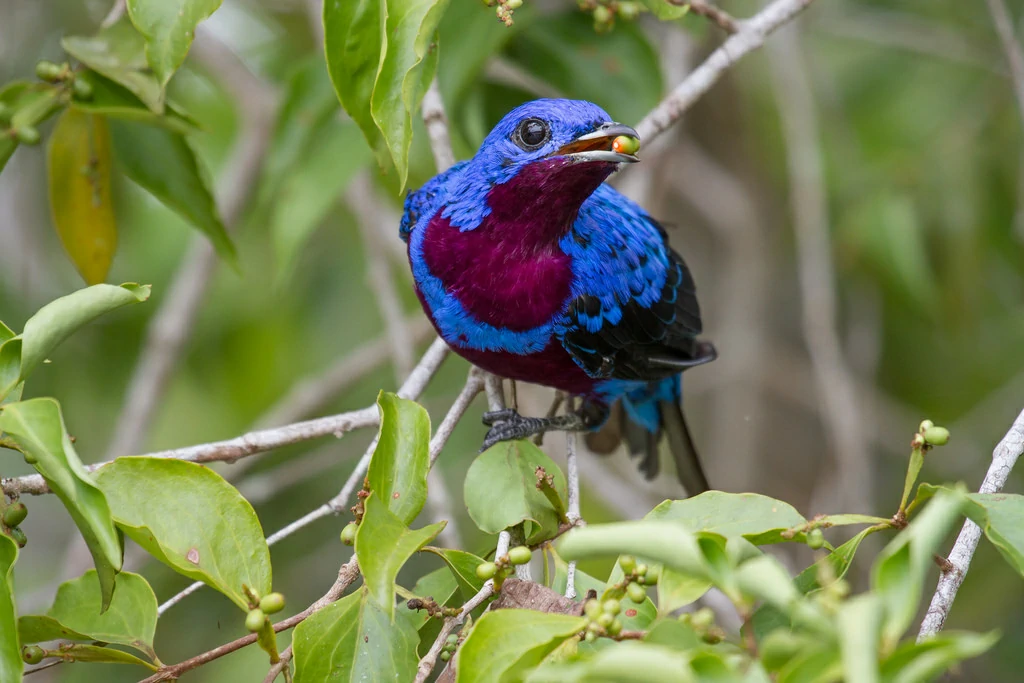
[(533, 268)]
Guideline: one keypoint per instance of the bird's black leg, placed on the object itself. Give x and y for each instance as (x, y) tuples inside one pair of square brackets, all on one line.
[(506, 425)]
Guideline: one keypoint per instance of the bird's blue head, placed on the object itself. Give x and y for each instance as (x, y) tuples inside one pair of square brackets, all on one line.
[(558, 133)]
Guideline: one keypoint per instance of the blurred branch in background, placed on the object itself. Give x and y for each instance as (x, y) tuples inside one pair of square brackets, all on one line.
[(172, 325), (848, 487)]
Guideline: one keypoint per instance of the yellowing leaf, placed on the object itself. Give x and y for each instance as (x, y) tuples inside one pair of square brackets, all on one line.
[(79, 176)]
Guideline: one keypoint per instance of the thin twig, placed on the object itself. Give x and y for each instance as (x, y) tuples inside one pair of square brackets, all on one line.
[(842, 414), (437, 127), (705, 9), (573, 507), (751, 34), (174, 321), (1004, 457), (282, 664)]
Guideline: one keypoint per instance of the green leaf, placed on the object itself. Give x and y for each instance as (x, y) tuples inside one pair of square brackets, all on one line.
[(11, 664), (354, 640), (54, 322), (130, 620), (118, 52), (501, 490), (676, 590), (37, 428), (922, 662), (179, 181), (78, 170), (463, 567), (659, 541), (168, 27), (113, 100), (624, 662), (507, 643), (1001, 517), (759, 519), (899, 571), (380, 60), (383, 544), (860, 628), (189, 518), (565, 51), (398, 469), (78, 652), (816, 665), (841, 558), (764, 578), (665, 10), (31, 104)]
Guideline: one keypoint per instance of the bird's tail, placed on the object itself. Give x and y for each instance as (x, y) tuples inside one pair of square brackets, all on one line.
[(641, 419)]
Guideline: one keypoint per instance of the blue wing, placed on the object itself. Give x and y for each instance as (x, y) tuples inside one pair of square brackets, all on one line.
[(423, 203), (634, 315)]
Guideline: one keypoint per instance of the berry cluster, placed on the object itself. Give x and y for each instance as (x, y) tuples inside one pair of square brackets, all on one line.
[(602, 615), (703, 622), (12, 517), (502, 567), (605, 12), (259, 611), (450, 645), (58, 74), (504, 9)]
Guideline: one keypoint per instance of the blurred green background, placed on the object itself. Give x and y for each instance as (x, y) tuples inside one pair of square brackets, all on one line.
[(921, 146)]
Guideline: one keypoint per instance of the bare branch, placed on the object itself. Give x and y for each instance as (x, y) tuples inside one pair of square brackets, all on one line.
[(573, 507), (1004, 457), (705, 9), (172, 325), (751, 35), (282, 664), (842, 414), (437, 127)]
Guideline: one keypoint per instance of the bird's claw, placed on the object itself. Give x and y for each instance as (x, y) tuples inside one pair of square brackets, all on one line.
[(496, 416)]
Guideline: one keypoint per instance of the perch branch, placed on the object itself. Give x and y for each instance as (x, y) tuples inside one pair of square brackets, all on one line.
[(750, 35), (1003, 459), (573, 511), (705, 9)]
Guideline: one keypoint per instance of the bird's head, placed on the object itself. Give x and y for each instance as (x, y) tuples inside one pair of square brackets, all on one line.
[(555, 134)]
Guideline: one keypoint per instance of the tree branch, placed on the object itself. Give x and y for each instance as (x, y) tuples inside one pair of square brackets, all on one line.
[(573, 511), (1004, 457), (436, 121), (751, 34), (705, 9)]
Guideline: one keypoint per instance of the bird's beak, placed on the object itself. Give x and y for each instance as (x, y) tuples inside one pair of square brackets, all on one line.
[(611, 141)]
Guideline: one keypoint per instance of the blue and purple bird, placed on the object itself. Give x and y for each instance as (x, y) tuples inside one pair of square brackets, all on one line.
[(531, 267)]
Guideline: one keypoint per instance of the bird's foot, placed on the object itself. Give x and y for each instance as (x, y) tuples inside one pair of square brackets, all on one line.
[(495, 416), (507, 425)]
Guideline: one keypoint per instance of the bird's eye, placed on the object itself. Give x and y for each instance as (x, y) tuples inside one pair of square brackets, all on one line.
[(531, 134)]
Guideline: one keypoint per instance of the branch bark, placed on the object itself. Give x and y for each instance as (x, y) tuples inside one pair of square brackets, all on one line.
[(1004, 457)]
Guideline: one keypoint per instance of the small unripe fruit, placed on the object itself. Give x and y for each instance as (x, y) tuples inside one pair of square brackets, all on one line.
[(513, 4), (703, 618), (255, 619), (815, 539), (628, 563), (615, 628), (15, 514), (486, 570), (453, 639), (641, 570), (925, 426), (445, 655), (602, 15), (590, 637), (48, 71), (272, 603), (519, 555), (651, 577), (629, 10), (81, 89), (27, 135), (636, 593), (604, 620), (626, 144), (32, 654), (611, 607), (592, 609), (936, 436), (348, 534), (19, 537)]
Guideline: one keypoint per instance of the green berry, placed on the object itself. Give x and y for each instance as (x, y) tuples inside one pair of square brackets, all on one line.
[(48, 71), (272, 603), (486, 570), (703, 618), (513, 4), (81, 89), (815, 539), (19, 537), (453, 639), (590, 637), (592, 609), (32, 654), (348, 534), (255, 619), (602, 15), (445, 655), (628, 564), (519, 555), (611, 607), (15, 514), (636, 593), (615, 628), (651, 578), (925, 426), (641, 570), (27, 135), (936, 436), (629, 10), (604, 620)]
